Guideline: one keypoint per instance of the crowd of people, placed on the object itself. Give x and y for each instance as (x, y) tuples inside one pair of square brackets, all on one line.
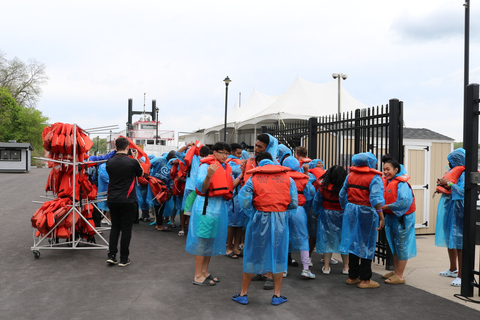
[(261, 208)]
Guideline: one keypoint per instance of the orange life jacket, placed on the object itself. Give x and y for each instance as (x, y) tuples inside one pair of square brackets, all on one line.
[(390, 192), (301, 181), (178, 173), (317, 172), (358, 188), (221, 183), (192, 151), (451, 175), (303, 161), (145, 165), (159, 189), (234, 160), (330, 199), (251, 164), (271, 188)]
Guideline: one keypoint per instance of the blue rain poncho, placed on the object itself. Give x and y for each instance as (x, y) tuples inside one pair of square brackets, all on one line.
[(297, 218), (449, 227), (103, 180), (159, 170), (359, 234), (329, 230), (283, 150), (207, 233), (266, 235), (245, 155), (235, 213), (191, 178), (312, 217), (400, 228)]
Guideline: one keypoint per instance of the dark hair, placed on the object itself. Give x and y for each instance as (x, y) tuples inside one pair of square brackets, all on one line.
[(301, 151), (263, 137), (235, 146), (220, 145), (171, 154), (336, 176), (122, 143), (284, 157), (204, 151), (263, 155), (389, 159)]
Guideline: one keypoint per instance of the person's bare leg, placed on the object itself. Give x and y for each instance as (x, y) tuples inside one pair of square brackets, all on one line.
[(452, 256), (246, 280), (345, 262), (230, 234), (199, 265), (277, 283), (326, 258), (237, 238), (182, 221)]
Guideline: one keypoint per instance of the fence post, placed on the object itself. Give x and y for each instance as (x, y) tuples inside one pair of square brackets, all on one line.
[(264, 130), (312, 138), (470, 143), (395, 149), (357, 132)]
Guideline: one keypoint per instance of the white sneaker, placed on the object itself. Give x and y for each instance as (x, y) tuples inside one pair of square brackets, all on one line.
[(332, 261), (308, 274), (326, 272), (285, 274), (449, 273), (457, 282), (345, 271)]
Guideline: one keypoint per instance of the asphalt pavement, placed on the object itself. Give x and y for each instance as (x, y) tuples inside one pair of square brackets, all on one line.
[(78, 284)]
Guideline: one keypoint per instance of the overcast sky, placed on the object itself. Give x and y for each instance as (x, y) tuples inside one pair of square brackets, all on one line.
[(100, 53)]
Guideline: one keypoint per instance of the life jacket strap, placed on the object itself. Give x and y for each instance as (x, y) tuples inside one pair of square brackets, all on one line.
[(358, 187)]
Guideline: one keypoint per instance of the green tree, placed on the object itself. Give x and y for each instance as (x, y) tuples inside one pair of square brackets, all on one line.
[(21, 123), (23, 80)]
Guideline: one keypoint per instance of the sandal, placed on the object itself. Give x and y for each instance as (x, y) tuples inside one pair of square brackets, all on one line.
[(181, 233), (457, 282), (232, 255), (448, 273), (213, 278), (206, 282), (394, 280), (388, 275)]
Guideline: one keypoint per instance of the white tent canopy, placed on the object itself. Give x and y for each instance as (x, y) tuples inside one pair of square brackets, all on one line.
[(302, 100)]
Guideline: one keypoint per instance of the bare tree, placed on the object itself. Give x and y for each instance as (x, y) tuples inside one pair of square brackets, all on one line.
[(23, 80)]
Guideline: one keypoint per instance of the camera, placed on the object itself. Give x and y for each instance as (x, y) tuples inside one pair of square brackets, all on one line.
[(131, 151)]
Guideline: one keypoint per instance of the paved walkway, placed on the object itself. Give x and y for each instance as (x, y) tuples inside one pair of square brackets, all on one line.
[(77, 284)]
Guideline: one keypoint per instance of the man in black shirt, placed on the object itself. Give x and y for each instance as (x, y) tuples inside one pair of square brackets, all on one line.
[(121, 198)]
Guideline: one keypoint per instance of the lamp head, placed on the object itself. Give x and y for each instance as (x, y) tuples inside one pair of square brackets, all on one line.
[(227, 80), (344, 76), (334, 75)]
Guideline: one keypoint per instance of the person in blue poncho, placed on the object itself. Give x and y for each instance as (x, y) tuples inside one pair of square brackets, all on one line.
[(235, 213), (265, 198), (361, 198), (399, 210), (449, 227), (207, 233), (103, 180), (330, 217), (297, 218)]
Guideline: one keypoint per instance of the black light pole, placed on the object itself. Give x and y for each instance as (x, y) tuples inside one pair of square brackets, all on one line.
[(156, 122), (227, 82)]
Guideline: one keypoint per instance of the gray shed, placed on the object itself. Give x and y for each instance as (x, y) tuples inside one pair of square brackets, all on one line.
[(15, 157)]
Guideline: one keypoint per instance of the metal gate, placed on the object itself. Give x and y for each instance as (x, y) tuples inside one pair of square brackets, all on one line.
[(336, 138)]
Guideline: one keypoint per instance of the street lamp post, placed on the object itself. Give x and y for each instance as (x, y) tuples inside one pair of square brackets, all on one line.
[(339, 76), (156, 123), (227, 82)]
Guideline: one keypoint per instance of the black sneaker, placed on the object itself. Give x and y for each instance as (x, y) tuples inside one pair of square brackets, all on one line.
[(111, 259), (124, 262)]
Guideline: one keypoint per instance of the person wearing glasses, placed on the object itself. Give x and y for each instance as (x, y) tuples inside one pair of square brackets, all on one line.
[(207, 233)]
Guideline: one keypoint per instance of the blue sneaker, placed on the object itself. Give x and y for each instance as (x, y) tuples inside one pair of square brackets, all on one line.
[(240, 299), (278, 300)]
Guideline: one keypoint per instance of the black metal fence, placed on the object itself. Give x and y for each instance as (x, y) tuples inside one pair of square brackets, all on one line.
[(336, 138)]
